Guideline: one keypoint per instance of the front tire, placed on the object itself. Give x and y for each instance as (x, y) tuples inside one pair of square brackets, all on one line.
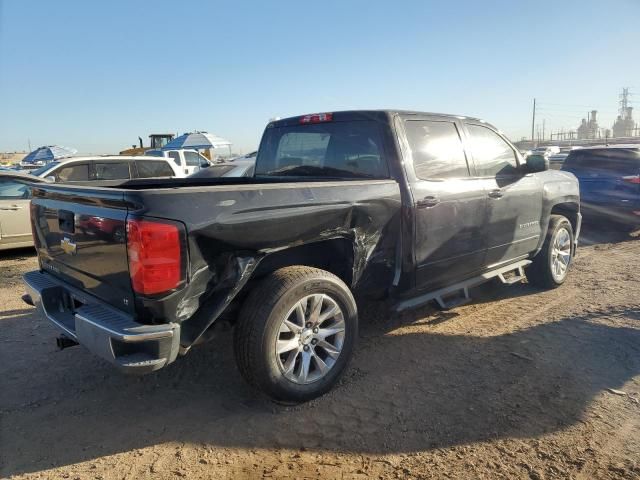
[(551, 265), (296, 333)]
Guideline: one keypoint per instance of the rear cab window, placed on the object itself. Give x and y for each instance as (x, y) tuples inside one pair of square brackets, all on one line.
[(111, 171), (77, 172), (151, 168), (342, 149), (175, 156)]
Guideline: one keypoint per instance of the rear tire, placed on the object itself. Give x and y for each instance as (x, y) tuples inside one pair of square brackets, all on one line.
[(551, 265), (296, 333)]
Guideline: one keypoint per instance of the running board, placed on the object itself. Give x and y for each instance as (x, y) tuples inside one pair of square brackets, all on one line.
[(460, 291)]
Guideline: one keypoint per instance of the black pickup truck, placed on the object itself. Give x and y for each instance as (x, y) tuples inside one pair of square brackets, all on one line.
[(415, 206)]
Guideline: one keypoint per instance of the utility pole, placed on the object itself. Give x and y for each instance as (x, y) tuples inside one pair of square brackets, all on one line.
[(543, 126), (533, 120)]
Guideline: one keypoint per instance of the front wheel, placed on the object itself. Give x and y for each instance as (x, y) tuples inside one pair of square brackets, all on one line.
[(551, 265), (296, 333)]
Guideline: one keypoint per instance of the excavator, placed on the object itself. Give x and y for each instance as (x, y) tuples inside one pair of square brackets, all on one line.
[(156, 141)]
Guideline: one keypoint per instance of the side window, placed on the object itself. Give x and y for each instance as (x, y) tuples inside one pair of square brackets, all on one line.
[(147, 169), (10, 189), (111, 171), (436, 149), (492, 155), (73, 173), (175, 156), (192, 159)]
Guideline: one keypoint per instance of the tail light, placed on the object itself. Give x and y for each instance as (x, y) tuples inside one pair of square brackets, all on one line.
[(317, 118), (635, 179), (156, 253)]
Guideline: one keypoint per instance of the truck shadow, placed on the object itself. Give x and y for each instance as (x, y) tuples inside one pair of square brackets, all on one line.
[(404, 392)]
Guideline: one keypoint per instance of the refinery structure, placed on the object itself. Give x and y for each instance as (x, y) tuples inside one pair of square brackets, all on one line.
[(589, 131)]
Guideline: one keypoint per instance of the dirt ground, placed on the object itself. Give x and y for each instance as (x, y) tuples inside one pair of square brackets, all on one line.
[(521, 383)]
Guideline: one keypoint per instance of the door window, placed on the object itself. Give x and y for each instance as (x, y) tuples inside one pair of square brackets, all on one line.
[(492, 155), (111, 171), (73, 173), (436, 149), (11, 189), (192, 159)]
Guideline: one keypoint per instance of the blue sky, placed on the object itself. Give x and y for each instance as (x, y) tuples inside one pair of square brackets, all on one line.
[(95, 75)]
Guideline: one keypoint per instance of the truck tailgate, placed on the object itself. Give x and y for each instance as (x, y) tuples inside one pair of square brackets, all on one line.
[(79, 234)]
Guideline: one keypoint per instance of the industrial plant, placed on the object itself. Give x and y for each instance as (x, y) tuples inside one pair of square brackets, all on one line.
[(589, 131)]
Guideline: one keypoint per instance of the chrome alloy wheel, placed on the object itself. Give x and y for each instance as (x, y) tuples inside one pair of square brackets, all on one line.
[(310, 338), (560, 254)]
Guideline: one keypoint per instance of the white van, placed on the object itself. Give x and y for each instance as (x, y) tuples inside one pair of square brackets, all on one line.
[(188, 161)]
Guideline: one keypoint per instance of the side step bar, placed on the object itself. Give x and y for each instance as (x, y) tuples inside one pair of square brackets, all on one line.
[(458, 294)]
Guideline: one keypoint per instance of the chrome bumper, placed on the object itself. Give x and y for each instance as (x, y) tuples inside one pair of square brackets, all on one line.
[(109, 333)]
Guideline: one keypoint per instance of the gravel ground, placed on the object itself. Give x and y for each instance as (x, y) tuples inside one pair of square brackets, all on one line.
[(520, 383)]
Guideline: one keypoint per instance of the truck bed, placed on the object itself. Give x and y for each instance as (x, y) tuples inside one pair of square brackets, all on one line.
[(231, 226)]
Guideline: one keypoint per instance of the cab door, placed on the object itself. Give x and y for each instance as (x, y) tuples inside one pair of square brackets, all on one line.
[(449, 204), (192, 162), (15, 225), (514, 197)]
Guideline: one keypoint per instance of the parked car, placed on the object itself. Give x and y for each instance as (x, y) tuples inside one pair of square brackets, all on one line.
[(362, 202), (546, 151), (557, 159), (15, 195), (106, 170), (236, 168), (609, 182), (188, 161)]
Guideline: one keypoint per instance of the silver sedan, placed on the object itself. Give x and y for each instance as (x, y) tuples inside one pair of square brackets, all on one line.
[(15, 196)]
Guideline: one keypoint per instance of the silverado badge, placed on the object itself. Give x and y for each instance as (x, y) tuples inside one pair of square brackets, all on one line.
[(68, 246)]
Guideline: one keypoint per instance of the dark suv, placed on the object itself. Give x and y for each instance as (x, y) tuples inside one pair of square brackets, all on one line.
[(609, 182)]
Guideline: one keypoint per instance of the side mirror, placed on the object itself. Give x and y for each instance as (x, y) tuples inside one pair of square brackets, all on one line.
[(50, 178), (537, 163)]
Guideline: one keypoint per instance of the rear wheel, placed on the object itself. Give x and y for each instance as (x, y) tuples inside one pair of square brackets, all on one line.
[(551, 265), (296, 333)]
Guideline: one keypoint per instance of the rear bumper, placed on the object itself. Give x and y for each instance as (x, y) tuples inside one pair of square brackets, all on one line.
[(111, 334)]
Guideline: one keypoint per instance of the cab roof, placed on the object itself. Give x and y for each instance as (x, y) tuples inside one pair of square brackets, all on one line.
[(376, 115)]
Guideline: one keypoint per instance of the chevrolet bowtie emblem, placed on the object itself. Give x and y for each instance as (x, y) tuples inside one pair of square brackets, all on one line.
[(68, 246)]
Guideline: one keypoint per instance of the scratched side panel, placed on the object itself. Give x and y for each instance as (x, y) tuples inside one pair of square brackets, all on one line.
[(231, 229)]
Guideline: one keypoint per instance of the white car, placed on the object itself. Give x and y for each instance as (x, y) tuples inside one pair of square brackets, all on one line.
[(188, 161), (106, 170), (15, 196)]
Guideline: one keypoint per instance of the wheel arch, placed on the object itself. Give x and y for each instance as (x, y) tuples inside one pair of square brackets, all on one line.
[(333, 255)]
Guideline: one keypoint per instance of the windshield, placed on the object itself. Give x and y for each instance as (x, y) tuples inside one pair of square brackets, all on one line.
[(42, 170), (335, 149)]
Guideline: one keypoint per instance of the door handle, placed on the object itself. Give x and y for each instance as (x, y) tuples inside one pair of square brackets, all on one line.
[(12, 207), (497, 193), (427, 202)]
